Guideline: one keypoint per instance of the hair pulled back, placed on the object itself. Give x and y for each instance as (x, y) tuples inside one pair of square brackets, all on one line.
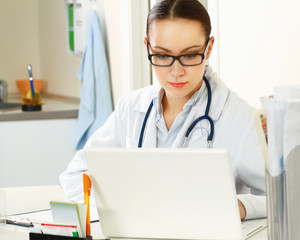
[(171, 9)]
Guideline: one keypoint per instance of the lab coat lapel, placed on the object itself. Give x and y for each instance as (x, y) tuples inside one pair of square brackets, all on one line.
[(150, 132), (141, 107)]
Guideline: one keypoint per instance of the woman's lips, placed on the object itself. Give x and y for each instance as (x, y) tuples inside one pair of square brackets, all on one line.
[(178, 85)]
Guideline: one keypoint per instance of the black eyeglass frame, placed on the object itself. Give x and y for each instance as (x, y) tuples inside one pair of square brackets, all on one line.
[(178, 57)]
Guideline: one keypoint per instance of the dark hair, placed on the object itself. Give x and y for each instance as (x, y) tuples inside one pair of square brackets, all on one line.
[(171, 9)]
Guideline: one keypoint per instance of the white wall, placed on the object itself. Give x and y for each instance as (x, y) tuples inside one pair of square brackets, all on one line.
[(259, 46), (125, 28), (19, 40), (117, 46), (58, 66)]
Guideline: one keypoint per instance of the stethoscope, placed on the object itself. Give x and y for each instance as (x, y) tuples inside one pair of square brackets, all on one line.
[(206, 116)]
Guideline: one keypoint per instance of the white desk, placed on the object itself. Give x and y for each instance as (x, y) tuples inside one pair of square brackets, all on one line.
[(262, 235), (27, 199), (21, 233)]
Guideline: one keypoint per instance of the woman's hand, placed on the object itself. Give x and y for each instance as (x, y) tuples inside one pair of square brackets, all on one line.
[(242, 210)]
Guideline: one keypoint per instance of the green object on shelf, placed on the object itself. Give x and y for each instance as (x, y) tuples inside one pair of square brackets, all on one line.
[(71, 26)]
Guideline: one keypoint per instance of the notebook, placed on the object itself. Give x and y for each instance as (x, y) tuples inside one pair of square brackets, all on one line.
[(165, 193)]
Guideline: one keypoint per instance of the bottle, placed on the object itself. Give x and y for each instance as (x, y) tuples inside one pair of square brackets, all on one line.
[(3, 91)]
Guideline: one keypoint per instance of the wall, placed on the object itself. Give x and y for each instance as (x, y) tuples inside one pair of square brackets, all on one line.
[(259, 46), (115, 45), (19, 40), (125, 27), (58, 66)]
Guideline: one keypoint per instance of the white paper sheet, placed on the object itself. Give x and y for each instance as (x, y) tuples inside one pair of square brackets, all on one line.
[(276, 117)]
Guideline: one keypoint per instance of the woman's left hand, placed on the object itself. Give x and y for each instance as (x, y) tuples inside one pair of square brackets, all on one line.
[(242, 210)]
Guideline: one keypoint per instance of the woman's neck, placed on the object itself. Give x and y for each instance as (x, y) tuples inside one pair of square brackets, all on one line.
[(171, 108)]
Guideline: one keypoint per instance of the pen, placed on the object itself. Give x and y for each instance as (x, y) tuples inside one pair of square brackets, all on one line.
[(19, 223), (87, 192), (31, 80)]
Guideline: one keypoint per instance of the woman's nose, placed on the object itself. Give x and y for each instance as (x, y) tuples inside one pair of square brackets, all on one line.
[(177, 69)]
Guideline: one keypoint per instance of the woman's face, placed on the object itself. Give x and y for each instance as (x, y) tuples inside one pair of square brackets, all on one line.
[(177, 37)]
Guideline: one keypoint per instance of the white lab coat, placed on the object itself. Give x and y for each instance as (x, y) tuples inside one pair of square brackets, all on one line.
[(234, 130)]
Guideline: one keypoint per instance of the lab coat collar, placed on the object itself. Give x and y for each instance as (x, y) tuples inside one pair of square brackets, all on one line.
[(157, 101), (145, 98), (220, 94)]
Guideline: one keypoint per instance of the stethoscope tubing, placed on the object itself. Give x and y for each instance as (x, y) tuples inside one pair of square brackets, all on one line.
[(144, 124), (206, 116)]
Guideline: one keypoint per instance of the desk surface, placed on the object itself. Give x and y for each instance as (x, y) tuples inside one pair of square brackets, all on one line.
[(21, 233), (30, 199), (47, 193)]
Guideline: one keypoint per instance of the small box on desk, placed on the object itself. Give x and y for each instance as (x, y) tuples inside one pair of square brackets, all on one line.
[(40, 236)]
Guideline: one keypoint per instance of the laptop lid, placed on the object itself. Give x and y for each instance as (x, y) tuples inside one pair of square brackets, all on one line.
[(164, 193)]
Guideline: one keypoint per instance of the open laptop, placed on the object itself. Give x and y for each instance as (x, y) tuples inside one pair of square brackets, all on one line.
[(165, 193)]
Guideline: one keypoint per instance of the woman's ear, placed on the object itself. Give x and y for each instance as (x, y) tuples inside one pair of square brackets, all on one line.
[(210, 47), (145, 41)]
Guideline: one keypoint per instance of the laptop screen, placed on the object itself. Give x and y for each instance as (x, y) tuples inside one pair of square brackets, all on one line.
[(165, 193)]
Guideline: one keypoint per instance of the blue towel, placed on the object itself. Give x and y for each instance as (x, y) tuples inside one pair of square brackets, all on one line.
[(95, 96)]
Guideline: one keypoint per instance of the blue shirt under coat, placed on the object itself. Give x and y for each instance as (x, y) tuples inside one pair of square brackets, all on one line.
[(165, 137)]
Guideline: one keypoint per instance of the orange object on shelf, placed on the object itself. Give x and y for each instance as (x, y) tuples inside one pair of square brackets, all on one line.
[(24, 84), (87, 192)]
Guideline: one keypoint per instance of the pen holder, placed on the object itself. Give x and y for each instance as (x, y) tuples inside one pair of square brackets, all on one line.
[(275, 206), (40, 236), (283, 200), (30, 103)]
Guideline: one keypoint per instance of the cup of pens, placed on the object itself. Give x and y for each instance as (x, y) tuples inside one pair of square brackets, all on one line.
[(31, 99)]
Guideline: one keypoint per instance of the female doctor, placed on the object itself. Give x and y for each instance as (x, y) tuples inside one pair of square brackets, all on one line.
[(191, 108)]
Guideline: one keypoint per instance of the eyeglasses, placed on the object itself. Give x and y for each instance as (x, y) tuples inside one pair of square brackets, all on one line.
[(164, 60)]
